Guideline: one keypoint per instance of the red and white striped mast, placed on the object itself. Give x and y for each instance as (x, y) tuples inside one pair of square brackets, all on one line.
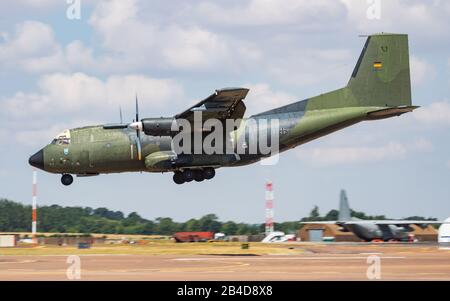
[(269, 208), (34, 205)]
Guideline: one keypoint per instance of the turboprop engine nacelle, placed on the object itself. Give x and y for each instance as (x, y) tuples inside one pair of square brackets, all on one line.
[(156, 126)]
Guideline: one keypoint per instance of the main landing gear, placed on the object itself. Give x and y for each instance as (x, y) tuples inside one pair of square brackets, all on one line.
[(189, 175), (66, 179)]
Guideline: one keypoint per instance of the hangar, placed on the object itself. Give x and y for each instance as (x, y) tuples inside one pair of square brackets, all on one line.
[(321, 232)]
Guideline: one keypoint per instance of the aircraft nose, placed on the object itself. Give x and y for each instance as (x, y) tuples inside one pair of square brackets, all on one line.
[(37, 160)]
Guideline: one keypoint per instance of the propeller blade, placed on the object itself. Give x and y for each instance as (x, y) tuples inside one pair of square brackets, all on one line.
[(139, 148), (137, 109), (120, 112), (138, 126)]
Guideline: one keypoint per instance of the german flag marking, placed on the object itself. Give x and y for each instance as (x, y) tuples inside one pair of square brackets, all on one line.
[(377, 65)]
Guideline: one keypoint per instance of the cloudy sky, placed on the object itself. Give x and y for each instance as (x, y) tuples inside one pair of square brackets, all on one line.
[(58, 72)]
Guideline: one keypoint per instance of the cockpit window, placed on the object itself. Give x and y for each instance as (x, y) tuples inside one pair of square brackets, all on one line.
[(62, 139)]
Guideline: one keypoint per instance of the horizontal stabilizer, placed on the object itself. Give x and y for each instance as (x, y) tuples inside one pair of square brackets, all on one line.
[(390, 112), (377, 222)]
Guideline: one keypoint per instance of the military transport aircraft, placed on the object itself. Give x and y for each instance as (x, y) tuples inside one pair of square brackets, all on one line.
[(379, 87), (370, 230)]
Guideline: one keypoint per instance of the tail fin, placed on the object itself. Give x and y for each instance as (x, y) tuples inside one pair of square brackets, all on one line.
[(381, 76), (344, 209), (380, 79)]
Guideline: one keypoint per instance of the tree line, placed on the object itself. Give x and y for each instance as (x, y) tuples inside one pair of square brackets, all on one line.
[(16, 217)]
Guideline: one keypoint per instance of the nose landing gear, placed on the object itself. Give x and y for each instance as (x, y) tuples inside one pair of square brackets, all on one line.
[(187, 175), (66, 179)]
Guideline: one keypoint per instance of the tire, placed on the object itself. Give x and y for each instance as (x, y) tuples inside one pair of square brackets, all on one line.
[(198, 176), (178, 177), (188, 175), (66, 179), (209, 173)]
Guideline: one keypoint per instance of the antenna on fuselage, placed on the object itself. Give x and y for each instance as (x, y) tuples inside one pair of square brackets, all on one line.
[(120, 113)]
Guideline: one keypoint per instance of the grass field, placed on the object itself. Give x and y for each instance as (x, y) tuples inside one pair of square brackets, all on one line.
[(157, 248)]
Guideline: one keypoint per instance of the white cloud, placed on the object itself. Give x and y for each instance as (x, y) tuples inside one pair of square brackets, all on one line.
[(422, 145), (428, 19), (130, 43), (194, 48), (269, 12), (3, 136), (326, 156), (197, 37), (43, 6), (38, 3), (337, 154), (437, 113), (143, 42), (72, 100), (261, 98), (421, 70), (312, 66), (37, 137), (31, 39), (75, 92), (80, 57), (34, 48), (112, 14)]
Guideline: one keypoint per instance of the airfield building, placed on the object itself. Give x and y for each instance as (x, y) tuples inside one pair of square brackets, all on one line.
[(8, 240), (318, 232)]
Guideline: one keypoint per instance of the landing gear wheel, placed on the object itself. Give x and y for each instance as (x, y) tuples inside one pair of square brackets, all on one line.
[(198, 176), (188, 175), (66, 179), (209, 173), (178, 177)]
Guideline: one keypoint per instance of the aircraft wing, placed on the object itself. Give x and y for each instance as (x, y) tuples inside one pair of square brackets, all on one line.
[(223, 104), (323, 222), (393, 222), (377, 222)]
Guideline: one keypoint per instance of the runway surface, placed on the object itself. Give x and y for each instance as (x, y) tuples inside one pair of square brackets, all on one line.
[(314, 262)]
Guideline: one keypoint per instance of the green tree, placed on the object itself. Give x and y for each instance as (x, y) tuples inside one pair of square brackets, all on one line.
[(229, 228), (209, 223), (192, 225), (332, 215), (149, 228), (314, 214), (165, 225), (242, 229)]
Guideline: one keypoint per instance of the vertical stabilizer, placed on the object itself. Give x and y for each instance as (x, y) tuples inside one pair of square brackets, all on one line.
[(344, 209), (381, 76)]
